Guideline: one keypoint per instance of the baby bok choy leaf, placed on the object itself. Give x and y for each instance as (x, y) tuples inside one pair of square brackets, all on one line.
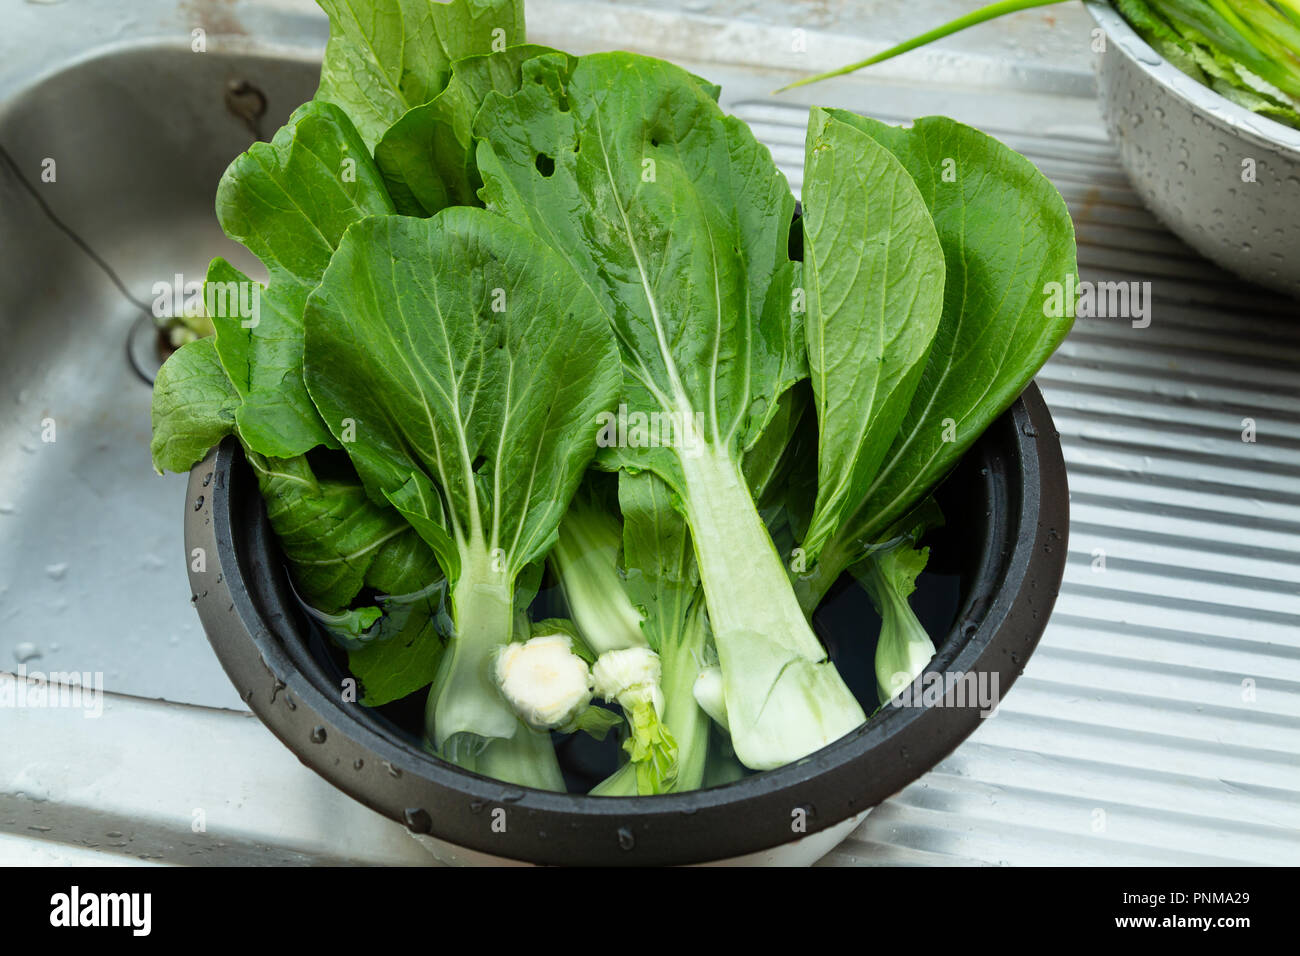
[(463, 366), (334, 539), (678, 221), (385, 57), (889, 575), (873, 271), (1008, 248), (336, 542), (288, 202), (427, 156), (193, 408)]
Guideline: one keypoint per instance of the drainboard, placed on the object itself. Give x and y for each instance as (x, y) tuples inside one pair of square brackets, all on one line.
[(1156, 723)]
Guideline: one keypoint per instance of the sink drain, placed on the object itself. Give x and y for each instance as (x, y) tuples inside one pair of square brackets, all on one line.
[(248, 103), (147, 347)]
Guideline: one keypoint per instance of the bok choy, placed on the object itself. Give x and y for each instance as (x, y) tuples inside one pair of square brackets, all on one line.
[(549, 411)]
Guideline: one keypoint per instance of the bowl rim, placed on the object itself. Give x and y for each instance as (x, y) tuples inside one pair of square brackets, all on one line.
[(1217, 108), (749, 815)]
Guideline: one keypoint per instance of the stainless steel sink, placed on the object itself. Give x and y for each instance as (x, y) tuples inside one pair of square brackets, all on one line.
[(112, 166), (1159, 721)]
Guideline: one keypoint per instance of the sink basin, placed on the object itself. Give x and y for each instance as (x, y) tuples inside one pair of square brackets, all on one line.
[(91, 577)]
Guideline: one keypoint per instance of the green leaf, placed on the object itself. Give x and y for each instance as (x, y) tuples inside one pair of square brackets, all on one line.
[(874, 275), (427, 156), (193, 407), (1249, 32), (663, 580), (676, 218), (1163, 38), (652, 750), (495, 411), (766, 464), (336, 542), (661, 577), (463, 366), (1007, 237), (594, 721), (421, 505), (334, 538), (403, 654), (385, 57), (349, 627), (1198, 56), (264, 362), (289, 202)]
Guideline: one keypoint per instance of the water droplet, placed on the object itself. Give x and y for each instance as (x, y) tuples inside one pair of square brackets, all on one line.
[(57, 571), (26, 651), (318, 735), (626, 840), (198, 503)]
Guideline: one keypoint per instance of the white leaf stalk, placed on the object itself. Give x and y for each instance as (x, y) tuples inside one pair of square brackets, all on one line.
[(904, 648), (709, 695), (784, 698), (585, 559)]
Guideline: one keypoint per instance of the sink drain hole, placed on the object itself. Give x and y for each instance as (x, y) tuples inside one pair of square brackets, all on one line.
[(248, 103), (147, 347)]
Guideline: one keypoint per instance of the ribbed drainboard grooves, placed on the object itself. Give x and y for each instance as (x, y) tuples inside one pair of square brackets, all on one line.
[(1132, 737)]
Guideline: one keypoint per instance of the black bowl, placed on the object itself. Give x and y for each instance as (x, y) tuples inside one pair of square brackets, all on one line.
[(1007, 509)]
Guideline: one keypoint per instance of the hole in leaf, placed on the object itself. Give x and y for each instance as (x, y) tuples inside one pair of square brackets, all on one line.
[(545, 165)]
